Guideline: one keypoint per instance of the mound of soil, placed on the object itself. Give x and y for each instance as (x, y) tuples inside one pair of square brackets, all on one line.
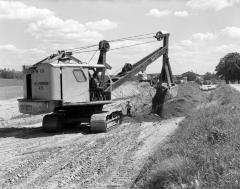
[(142, 95), (189, 97), (139, 94)]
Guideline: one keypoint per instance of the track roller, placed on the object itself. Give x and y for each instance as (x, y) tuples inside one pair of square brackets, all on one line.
[(53, 122), (102, 122)]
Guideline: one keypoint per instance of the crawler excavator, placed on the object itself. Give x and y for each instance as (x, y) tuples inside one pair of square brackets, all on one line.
[(71, 91)]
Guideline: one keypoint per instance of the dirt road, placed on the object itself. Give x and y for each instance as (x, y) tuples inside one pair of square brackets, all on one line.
[(76, 158)]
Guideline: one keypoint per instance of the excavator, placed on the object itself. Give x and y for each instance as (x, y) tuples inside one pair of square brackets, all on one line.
[(72, 91)]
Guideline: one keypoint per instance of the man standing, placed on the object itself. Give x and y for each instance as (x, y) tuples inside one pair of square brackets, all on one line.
[(128, 107)]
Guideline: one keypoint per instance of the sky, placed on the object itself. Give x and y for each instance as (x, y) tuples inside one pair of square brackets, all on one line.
[(201, 31)]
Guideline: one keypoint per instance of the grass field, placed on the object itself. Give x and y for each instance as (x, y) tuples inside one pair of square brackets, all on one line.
[(10, 88), (205, 150), (10, 82)]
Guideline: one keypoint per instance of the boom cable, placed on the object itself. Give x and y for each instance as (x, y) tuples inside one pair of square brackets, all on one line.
[(126, 46), (84, 51), (81, 48), (130, 38), (92, 56), (135, 37)]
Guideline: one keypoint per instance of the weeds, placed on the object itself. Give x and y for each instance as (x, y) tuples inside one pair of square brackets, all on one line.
[(205, 150)]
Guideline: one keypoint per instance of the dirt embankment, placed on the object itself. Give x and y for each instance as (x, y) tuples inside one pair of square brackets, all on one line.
[(76, 158), (204, 151)]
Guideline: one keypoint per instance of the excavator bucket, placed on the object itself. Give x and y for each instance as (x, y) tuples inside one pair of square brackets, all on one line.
[(166, 89)]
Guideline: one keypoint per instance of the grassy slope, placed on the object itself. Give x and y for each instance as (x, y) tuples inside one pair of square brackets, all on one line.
[(205, 150)]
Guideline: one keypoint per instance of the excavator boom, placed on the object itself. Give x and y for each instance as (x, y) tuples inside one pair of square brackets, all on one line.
[(141, 65), (166, 73)]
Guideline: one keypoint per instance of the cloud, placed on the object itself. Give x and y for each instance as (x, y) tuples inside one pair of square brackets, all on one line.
[(157, 13), (211, 4), (13, 57), (194, 42), (56, 30), (202, 51), (198, 41), (12, 48), (160, 13), (181, 13), (204, 36), (46, 26), (182, 45), (233, 32), (102, 25), (19, 10), (8, 47), (227, 48), (186, 42)]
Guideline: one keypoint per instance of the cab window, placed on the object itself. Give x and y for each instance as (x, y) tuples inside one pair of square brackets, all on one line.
[(79, 75)]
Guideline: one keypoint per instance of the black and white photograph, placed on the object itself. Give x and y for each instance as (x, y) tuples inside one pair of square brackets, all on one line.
[(120, 94)]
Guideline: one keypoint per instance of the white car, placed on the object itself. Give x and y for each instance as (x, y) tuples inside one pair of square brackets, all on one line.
[(208, 87)]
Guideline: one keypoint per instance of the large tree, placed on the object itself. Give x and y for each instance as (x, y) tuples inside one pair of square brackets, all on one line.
[(229, 67), (191, 76), (209, 76)]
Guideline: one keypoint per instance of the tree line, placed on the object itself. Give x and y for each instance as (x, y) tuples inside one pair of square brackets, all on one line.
[(10, 74), (227, 69)]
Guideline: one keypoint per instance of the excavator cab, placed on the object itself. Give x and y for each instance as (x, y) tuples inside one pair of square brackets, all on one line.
[(48, 85)]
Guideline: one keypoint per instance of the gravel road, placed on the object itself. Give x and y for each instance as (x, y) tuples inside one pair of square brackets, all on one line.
[(75, 158)]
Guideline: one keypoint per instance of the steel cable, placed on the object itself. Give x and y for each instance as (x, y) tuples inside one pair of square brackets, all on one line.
[(136, 37), (92, 56), (126, 46), (133, 45)]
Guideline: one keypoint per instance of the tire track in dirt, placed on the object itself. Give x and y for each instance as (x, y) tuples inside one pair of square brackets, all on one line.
[(26, 149), (76, 158), (106, 160), (134, 160), (34, 164), (93, 164)]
